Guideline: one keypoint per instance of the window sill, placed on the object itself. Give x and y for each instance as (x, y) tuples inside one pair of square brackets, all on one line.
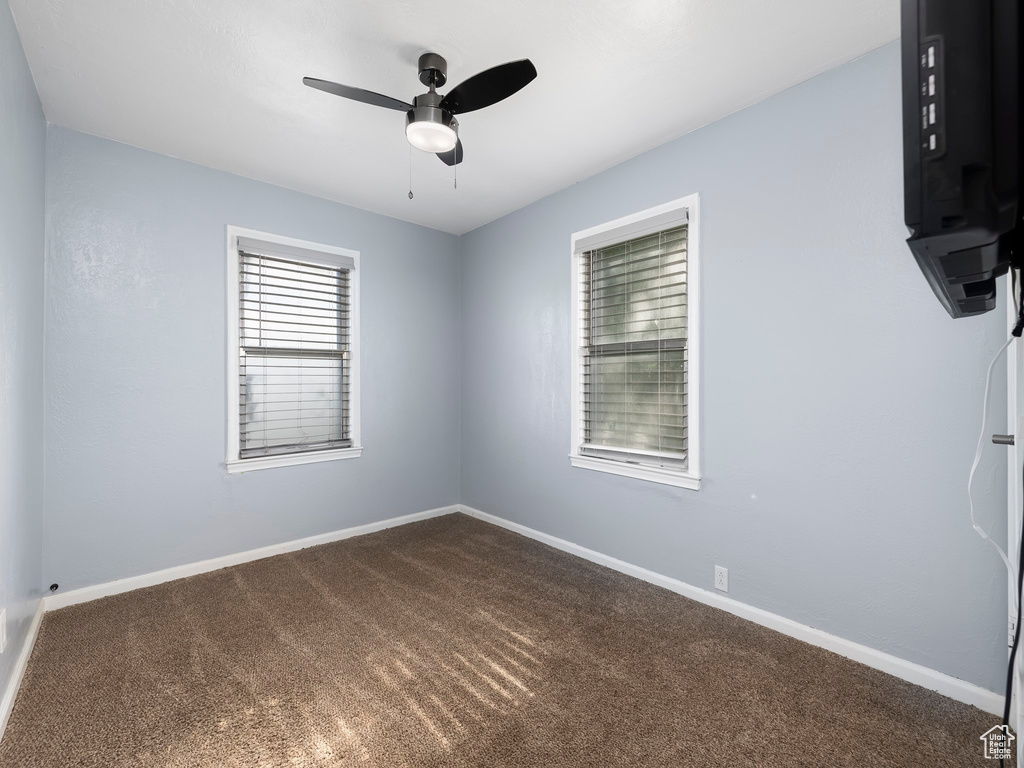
[(652, 474), (237, 466)]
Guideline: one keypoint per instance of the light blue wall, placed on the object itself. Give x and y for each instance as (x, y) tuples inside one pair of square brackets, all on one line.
[(135, 367), (841, 404), (22, 156)]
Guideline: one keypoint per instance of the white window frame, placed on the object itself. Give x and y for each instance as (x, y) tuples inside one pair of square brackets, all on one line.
[(332, 256), (626, 228)]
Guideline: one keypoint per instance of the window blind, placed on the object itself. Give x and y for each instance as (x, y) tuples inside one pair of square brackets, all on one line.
[(293, 353), (634, 371)]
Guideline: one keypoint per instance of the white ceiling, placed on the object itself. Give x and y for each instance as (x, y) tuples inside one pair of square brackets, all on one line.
[(218, 82)]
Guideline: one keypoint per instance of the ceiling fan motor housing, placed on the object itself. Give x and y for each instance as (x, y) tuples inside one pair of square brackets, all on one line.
[(427, 111)]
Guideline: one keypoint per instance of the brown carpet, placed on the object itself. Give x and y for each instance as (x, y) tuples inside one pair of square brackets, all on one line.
[(452, 642)]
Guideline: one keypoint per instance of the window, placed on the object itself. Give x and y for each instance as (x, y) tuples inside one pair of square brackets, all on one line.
[(293, 358), (635, 384)]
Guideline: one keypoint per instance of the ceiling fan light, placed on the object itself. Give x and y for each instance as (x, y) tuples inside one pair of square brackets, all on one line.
[(430, 136)]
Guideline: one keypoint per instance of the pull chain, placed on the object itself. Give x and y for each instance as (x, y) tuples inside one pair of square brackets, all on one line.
[(410, 171), (455, 167)]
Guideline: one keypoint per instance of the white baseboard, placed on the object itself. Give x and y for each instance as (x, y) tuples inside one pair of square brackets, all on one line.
[(953, 687), (85, 594), (7, 702)]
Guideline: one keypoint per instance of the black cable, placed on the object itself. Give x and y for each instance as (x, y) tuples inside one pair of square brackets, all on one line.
[(1018, 327)]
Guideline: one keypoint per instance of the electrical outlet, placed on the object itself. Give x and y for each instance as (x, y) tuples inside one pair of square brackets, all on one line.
[(3, 630), (1013, 630), (721, 578)]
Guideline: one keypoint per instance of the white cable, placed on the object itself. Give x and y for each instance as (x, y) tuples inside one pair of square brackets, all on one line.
[(977, 460)]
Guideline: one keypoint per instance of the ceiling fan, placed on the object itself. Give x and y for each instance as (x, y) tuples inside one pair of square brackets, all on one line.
[(430, 122)]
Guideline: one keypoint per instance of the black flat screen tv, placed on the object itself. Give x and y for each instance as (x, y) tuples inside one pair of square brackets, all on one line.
[(962, 145)]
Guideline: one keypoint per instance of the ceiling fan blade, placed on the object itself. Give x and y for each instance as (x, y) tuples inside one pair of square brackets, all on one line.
[(489, 87), (357, 94), (452, 156)]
